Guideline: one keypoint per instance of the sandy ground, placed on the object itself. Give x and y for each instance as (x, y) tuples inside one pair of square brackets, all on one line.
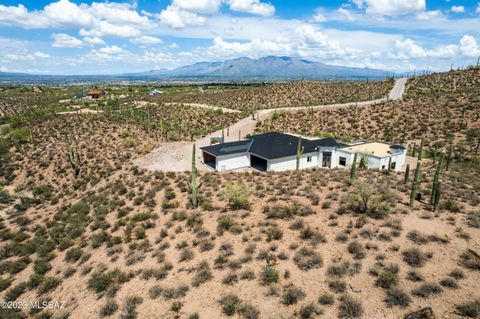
[(176, 156), (205, 106), (81, 111)]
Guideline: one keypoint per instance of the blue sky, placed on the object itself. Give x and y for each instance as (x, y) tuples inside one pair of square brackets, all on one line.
[(85, 37)]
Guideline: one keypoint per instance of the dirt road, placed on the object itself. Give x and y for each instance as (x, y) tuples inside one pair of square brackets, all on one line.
[(176, 156)]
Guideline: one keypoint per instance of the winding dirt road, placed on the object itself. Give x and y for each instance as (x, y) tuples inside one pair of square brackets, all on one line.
[(176, 156)]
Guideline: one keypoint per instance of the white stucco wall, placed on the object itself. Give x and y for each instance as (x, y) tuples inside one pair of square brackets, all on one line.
[(373, 161), (226, 163), (290, 163)]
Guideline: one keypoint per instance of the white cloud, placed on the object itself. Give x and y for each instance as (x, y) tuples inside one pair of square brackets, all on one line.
[(478, 8), (177, 18), (145, 39), (107, 29), (111, 50), (63, 40), (469, 46), (458, 9), (428, 15), (42, 55), (198, 6), (319, 18), (394, 7), (93, 41), (252, 6), (346, 14)]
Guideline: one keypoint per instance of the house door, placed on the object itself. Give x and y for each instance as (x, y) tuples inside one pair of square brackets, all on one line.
[(326, 159)]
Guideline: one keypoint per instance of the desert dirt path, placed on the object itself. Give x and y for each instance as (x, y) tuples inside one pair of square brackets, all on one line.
[(176, 156)]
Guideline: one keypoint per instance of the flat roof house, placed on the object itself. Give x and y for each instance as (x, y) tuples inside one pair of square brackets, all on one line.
[(95, 94), (278, 152)]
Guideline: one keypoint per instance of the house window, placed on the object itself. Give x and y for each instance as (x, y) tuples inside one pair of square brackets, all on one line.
[(393, 165), (342, 161), (383, 167), (309, 159)]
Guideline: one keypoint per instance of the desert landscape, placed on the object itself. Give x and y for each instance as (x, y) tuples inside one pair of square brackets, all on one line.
[(83, 224)]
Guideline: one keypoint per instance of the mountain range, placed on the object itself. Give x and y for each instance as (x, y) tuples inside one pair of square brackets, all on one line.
[(240, 69)]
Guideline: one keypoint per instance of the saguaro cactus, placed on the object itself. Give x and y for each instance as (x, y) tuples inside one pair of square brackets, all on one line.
[(193, 180), (407, 173), (300, 150), (449, 158), (74, 156), (416, 177), (436, 179), (436, 200), (353, 170), (389, 168)]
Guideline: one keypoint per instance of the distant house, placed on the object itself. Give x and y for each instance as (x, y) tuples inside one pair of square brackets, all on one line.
[(95, 94), (155, 92), (79, 96), (277, 152)]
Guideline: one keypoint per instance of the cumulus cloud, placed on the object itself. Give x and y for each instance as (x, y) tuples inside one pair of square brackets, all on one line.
[(93, 41), (63, 40), (113, 49), (427, 15), (409, 49), (198, 6), (319, 18), (252, 6), (458, 9), (107, 29), (469, 46), (394, 7), (145, 39), (178, 18)]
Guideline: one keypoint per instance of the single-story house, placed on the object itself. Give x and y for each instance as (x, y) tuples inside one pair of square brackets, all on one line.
[(80, 96), (278, 152), (155, 92), (95, 94)]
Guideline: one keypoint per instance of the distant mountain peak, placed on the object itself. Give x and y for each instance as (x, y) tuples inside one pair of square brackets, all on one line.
[(280, 67)]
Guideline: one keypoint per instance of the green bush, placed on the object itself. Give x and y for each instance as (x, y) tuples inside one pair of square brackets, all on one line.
[(291, 295), (350, 308), (230, 304), (307, 258), (269, 275), (470, 309), (238, 195)]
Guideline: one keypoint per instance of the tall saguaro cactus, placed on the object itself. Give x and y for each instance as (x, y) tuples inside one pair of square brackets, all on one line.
[(193, 180), (389, 168), (353, 170), (436, 179), (300, 150), (407, 174), (416, 177), (436, 200), (74, 156)]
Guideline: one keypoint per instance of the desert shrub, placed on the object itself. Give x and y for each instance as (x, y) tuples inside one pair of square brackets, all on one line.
[(449, 283), (356, 249), (469, 309), (350, 308), (470, 260), (129, 308), (238, 195), (309, 311), (247, 311), (73, 254), (473, 219), (101, 281), (269, 275), (397, 297), (41, 266), (415, 276), (48, 284), (326, 299), (291, 295), (274, 233), (202, 274), (230, 304), (225, 223), (450, 205), (5, 283), (109, 308), (186, 254), (414, 257), (387, 279), (337, 286), (279, 211), (306, 259), (426, 290), (457, 274), (230, 279)]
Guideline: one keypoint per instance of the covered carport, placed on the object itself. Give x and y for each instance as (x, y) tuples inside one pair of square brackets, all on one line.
[(209, 160), (258, 163)]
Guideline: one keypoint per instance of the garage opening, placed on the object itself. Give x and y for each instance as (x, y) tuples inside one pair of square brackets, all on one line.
[(210, 160), (258, 163)]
